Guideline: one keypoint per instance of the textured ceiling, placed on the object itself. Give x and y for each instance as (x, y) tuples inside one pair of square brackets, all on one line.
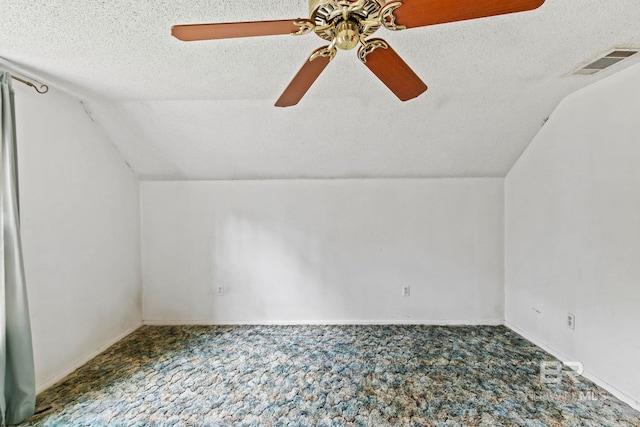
[(204, 110)]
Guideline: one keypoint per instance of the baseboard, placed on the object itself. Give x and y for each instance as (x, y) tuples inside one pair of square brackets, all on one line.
[(586, 373), (67, 371), (484, 322)]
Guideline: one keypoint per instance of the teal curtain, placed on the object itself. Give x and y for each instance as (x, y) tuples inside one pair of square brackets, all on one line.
[(17, 377)]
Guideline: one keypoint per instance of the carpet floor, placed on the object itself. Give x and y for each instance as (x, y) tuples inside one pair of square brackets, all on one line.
[(327, 376)]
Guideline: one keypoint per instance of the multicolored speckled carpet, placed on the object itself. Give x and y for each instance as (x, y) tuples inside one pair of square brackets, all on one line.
[(327, 376)]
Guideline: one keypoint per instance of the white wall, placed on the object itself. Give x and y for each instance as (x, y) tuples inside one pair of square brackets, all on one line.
[(573, 233), (323, 251), (80, 230)]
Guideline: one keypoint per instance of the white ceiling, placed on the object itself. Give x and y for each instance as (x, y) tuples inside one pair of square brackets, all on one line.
[(204, 110)]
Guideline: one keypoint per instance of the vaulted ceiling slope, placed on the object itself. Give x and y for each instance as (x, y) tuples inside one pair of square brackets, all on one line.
[(204, 110)]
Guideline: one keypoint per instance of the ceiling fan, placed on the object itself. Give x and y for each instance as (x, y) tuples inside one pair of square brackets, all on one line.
[(347, 23)]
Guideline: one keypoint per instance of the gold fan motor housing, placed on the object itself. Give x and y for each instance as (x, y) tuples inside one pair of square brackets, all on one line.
[(330, 24)]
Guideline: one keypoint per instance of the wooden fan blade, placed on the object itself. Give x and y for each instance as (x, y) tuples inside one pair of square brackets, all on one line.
[(391, 69), (419, 13), (229, 30), (304, 79)]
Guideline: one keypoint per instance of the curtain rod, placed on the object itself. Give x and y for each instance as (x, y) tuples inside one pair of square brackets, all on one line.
[(32, 77), (7, 65), (41, 88)]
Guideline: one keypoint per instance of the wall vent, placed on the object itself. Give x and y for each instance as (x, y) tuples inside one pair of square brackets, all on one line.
[(607, 61)]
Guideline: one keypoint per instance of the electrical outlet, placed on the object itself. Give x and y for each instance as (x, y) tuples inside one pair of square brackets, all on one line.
[(220, 290), (406, 291), (571, 321)]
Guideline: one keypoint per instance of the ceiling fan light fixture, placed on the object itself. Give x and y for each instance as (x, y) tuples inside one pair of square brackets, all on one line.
[(347, 23), (347, 35)]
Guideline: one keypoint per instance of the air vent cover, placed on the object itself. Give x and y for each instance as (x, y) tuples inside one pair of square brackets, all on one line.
[(607, 61)]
